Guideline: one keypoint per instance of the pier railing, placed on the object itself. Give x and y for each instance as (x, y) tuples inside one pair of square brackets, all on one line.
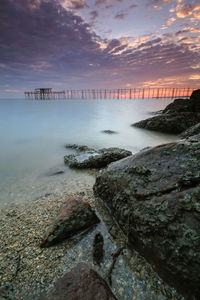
[(133, 93)]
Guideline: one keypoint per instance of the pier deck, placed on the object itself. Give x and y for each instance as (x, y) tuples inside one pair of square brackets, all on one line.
[(136, 93)]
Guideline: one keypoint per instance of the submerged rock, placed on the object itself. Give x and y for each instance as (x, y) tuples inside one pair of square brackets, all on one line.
[(81, 283), (98, 251), (191, 131), (55, 171), (96, 159), (154, 196), (73, 218), (176, 117), (109, 131)]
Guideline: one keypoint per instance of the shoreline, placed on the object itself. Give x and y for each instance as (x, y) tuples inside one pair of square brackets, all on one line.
[(32, 270)]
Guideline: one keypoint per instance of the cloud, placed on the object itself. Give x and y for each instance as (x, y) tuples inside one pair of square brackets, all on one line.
[(94, 15), (197, 7), (12, 91), (157, 4), (56, 45), (194, 77), (101, 2), (184, 10), (121, 15), (74, 4), (132, 6)]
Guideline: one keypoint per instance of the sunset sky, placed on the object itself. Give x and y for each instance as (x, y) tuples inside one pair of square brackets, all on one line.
[(77, 44)]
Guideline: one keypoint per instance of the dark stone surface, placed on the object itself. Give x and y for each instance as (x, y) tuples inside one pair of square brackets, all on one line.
[(170, 123), (194, 130), (73, 218), (195, 94), (176, 117), (154, 196), (95, 159), (81, 283), (98, 251)]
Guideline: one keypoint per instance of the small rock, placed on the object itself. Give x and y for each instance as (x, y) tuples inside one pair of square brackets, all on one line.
[(98, 251), (109, 131), (53, 172), (96, 159), (75, 217), (81, 283)]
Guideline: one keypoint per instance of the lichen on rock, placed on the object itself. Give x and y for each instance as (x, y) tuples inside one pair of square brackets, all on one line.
[(76, 216), (154, 196)]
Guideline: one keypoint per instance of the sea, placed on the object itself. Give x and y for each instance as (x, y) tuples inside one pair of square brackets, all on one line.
[(33, 135)]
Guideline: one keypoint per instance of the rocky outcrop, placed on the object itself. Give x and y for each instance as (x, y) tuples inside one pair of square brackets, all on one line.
[(154, 196), (95, 159), (81, 283), (74, 217), (194, 130), (176, 117), (169, 123)]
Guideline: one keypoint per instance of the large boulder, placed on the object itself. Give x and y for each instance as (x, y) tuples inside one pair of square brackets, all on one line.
[(77, 215), (177, 117), (95, 159), (154, 196), (81, 283)]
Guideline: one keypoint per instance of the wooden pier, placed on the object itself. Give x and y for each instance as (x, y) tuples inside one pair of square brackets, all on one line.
[(134, 93), (45, 94)]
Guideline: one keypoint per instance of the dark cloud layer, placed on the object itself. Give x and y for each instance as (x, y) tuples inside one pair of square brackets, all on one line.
[(41, 42)]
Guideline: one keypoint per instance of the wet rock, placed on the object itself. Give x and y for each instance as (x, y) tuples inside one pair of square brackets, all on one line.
[(176, 117), (98, 251), (154, 196), (109, 131), (95, 159), (81, 283), (81, 148), (73, 218), (6, 292), (191, 131)]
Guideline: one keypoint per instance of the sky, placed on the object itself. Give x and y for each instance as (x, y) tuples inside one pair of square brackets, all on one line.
[(88, 44)]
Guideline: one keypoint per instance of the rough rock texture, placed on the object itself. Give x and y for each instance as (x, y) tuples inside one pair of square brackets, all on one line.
[(95, 159), (98, 251), (176, 117), (76, 216), (194, 130), (81, 283), (154, 196)]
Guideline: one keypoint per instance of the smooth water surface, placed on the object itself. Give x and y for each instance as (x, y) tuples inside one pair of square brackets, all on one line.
[(33, 135)]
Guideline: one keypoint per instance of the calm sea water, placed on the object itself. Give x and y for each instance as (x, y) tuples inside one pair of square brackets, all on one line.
[(33, 135)]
